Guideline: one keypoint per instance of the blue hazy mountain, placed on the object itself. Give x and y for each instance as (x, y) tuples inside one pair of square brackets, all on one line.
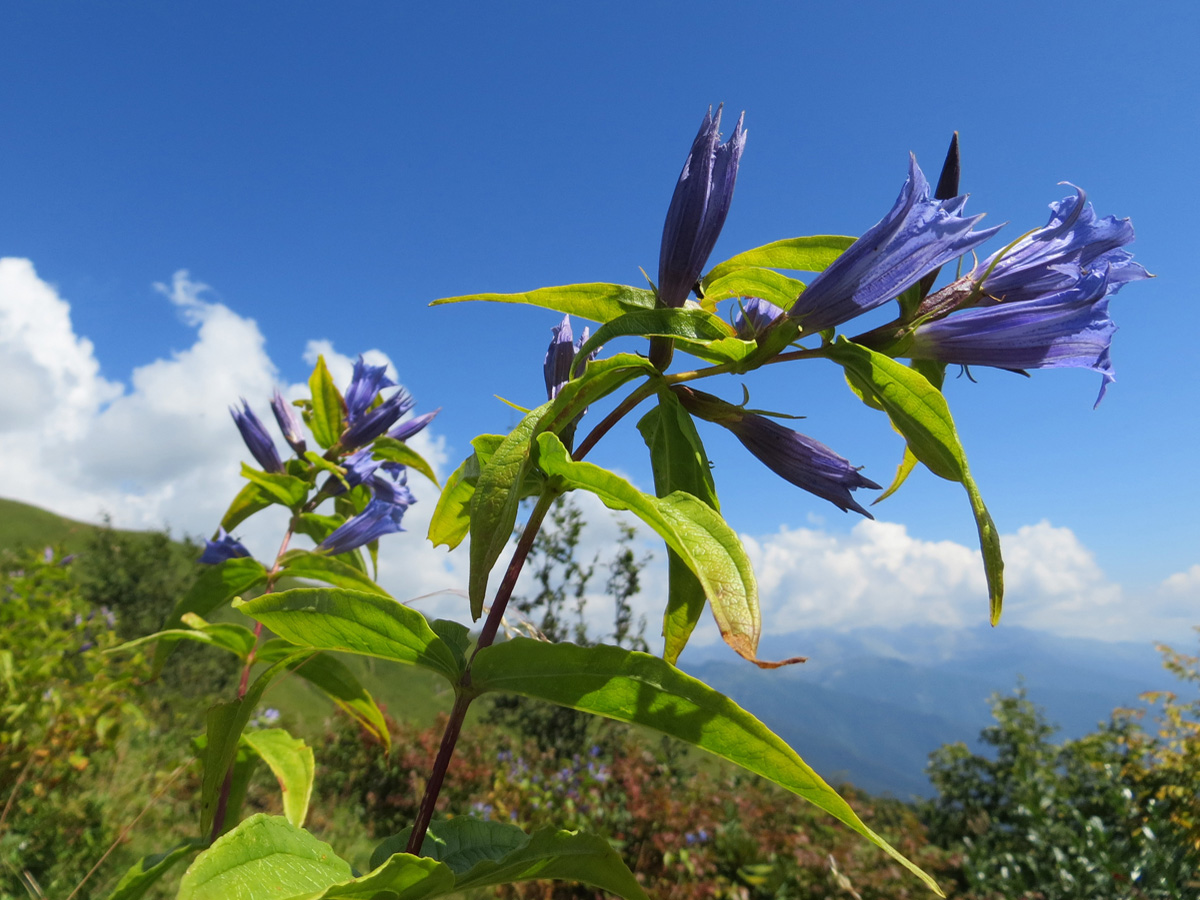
[(871, 705)]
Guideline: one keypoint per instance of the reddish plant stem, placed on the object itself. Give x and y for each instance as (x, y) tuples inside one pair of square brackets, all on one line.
[(438, 774)]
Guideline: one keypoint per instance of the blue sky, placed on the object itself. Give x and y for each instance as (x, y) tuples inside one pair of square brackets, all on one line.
[(327, 171)]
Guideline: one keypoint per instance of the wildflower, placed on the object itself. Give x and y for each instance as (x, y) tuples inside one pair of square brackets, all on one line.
[(364, 427), (792, 456), (382, 516), (1070, 328), (261, 447), (221, 548), (918, 235), (289, 423), (365, 385), (698, 208), (1053, 258), (559, 357), (754, 316), (405, 430)]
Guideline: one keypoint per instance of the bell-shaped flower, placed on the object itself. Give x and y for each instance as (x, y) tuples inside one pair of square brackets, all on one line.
[(289, 423), (559, 357), (754, 316), (365, 385), (381, 516), (221, 548), (1067, 329), (261, 447), (407, 429), (918, 235), (792, 456), (1053, 258), (698, 208), (365, 426)]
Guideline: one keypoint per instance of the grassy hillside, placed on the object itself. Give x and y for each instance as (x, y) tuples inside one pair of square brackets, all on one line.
[(23, 525)]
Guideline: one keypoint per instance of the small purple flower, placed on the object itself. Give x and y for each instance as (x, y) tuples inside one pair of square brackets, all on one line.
[(270, 715), (360, 467), (1055, 257), (1067, 329), (754, 316), (916, 236), (364, 427), (698, 208), (559, 357), (379, 518), (792, 456), (405, 430), (365, 385), (261, 447), (110, 620), (221, 548), (289, 423)]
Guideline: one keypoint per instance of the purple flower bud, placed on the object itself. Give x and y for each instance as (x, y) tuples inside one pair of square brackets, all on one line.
[(365, 427), (405, 430), (289, 423), (379, 518), (221, 548), (754, 316), (559, 357), (261, 447), (698, 208)]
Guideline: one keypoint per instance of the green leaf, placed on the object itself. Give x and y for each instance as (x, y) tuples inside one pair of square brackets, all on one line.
[(149, 869), (392, 450), (457, 637), (919, 412), (286, 489), (703, 540), (327, 466), (331, 676), (291, 762), (802, 254), (754, 282), (635, 687), (265, 856), (451, 521), (250, 499), (726, 350), (598, 302), (237, 639), (214, 586), (225, 723), (401, 877), (354, 622), (317, 526), (902, 472), (691, 323), (329, 569), (498, 490), (328, 407), (680, 464)]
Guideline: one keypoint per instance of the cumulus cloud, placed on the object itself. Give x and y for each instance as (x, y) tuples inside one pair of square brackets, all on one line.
[(161, 450)]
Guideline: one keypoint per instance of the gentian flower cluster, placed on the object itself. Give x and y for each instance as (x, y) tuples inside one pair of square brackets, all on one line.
[(258, 442)]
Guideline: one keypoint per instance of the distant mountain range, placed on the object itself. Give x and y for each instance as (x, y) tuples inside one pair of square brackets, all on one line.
[(871, 705)]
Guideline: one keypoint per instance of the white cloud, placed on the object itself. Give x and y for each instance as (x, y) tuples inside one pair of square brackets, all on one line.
[(162, 450)]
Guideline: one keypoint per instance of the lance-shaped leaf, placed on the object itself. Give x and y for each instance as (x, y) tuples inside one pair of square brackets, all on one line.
[(635, 687), (482, 853), (237, 639), (287, 490), (498, 490), (451, 518), (691, 323), (336, 681), (680, 464), (701, 538), (250, 499), (354, 622), (935, 373), (598, 302), (801, 254), (291, 762), (216, 585), (392, 450), (754, 282), (314, 566), (919, 412), (147, 871), (328, 408), (261, 851), (225, 723)]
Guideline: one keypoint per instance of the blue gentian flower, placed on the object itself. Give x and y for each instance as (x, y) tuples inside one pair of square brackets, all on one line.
[(918, 235), (289, 423), (379, 518), (364, 427), (1056, 256), (1070, 328), (365, 385), (698, 208), (405, 430), (559, 356), (792, 456), (262, 448), (754, 316), (223, 547)]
